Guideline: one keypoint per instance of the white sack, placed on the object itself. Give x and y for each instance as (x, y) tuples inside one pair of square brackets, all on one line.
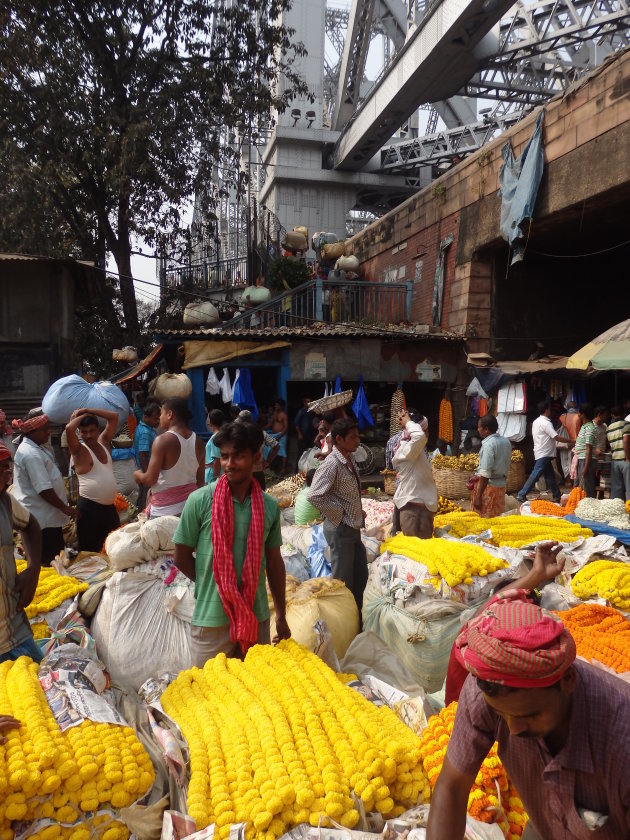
[(125, 547), (136, 636), (157, 534)]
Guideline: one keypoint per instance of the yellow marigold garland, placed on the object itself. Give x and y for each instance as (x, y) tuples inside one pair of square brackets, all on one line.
[(609, 579), (446, 505), (277, 740), (483, 801), (601, 633), (455, 562), (52, 590), (512, 531), (49, 774), (445, 420)]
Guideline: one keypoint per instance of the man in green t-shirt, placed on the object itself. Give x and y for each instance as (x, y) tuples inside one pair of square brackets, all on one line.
[(228, 537)]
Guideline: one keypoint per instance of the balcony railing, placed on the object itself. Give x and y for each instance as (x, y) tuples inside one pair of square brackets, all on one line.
[(332, 302), (207, 275)]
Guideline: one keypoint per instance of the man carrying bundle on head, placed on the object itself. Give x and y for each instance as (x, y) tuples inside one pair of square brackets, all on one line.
[(227, 540), (563, 728), (177, 464)]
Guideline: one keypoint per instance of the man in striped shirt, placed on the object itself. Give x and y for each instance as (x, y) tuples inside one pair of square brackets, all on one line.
[(587, 449), (336, 493), (618, 434)]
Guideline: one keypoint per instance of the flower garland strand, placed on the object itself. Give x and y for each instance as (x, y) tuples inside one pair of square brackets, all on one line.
[(483, 802), (512, 531), (278, 739), (52, 589), (600, 633), (608, 579)]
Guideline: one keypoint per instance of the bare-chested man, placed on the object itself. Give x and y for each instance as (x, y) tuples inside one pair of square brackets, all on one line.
[(177, 463), (278, 428)]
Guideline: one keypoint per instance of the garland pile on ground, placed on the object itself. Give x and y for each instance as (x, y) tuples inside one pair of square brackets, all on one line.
[(545, 508), (447, 506), (455, 562), (609, 579), (610, 511), (483, 801), (62, 776), (512, 531), (277, 740), (52, 590), (601, 633)]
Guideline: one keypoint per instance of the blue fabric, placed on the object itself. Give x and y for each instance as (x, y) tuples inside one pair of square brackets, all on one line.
[(317, 563), (72, 392), (143, 439), (337, 385), (520, 179), (243, 395), (542, 466), (600, 528), (28, 648), (123, 454), (361, 408)]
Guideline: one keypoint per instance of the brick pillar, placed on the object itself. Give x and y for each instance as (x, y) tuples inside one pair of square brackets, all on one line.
[(471, 303)]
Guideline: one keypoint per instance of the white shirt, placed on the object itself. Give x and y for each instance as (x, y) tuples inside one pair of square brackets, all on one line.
[(35, 470), (544, 436), (415, 477)]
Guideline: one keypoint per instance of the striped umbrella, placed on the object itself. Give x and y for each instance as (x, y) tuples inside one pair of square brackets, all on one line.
[(609, 351)]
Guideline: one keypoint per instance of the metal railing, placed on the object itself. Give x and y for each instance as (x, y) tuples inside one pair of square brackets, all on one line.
[(333, 302), (207, 275)]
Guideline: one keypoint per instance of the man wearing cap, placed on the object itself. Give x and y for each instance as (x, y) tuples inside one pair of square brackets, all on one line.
[(16, 590), (39, 485), (562, 726)]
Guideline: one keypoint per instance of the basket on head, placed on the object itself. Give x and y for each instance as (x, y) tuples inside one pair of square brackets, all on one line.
[(325, 404)]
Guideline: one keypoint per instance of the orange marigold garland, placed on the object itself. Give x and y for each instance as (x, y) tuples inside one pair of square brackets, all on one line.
[(601, 633), (576, 495), (492, 797), (546, 508), (121, 503)]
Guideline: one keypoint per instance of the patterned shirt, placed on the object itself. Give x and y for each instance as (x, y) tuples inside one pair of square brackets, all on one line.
[(143, 440), (336, 491), (590, 772), (494, 459), (616, 432), (587, 434), (14, 626)]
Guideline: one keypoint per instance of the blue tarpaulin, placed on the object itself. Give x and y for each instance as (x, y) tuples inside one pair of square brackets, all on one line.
[(520, 179), (361, 408), (601, 528)]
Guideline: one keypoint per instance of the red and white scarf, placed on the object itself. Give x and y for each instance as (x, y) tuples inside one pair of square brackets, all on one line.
[(237, 603)]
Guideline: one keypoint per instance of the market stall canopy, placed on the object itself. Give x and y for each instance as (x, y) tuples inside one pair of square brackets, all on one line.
[(609, 351), (140, 367), (203, 353)]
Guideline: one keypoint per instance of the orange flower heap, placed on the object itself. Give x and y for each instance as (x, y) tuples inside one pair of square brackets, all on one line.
[(601, 633), (121, 503), (492, 797), (546, 508), (575, 496)]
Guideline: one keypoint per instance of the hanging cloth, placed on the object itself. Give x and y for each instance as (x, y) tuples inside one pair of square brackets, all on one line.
[(438, 281), (225, 387), (213, 386), (337, 385), (327, 390), (361, 408), (243, 395)]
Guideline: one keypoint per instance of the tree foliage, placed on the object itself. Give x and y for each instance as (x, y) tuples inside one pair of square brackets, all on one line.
[(289, 270), (116, 108)]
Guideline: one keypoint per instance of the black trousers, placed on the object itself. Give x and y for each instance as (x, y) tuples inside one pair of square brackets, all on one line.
[(52, 544), (94, 524)]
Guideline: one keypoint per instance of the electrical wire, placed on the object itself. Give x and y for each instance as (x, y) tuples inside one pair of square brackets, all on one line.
[(581, 256)]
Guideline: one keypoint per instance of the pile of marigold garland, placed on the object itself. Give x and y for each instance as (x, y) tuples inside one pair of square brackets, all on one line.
[(609, 579), (600, 633), (277, 740), (455, 562), (545, 508), (63, 776), (52, 590), (512, 531), (491, 782)]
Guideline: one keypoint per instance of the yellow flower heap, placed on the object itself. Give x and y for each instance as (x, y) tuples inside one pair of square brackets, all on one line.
[(512, 531), (609, 579), (277, 740), (492, 797), (49, 774), (455, 562), (52, 590)]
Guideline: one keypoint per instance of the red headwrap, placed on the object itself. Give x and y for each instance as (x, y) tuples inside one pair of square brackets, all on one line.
[(515, 643), (24, 427), (5, 452)]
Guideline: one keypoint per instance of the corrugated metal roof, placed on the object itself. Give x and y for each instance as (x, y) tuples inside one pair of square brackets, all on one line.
[(417, 332), (30, 258)]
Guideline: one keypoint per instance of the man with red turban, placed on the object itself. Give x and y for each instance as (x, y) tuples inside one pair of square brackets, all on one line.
[(563, 728)]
